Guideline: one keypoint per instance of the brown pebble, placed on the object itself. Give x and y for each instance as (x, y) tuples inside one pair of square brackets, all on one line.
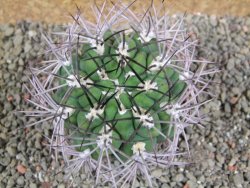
[(46, 185), (234, 100), (231, 144), (26, 96), (21, 169), (245, 28), (232, 168), (10, 98), (38, 168)]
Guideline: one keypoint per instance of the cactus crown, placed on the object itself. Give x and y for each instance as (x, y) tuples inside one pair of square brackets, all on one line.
[(119, 90)]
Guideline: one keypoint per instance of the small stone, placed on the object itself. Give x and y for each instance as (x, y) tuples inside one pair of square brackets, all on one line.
[(157, 173), (46, 184), (234, 100), (11, 182), (32, 33), (10, 98), (223, 96), (227, 108), (21, 169), (18, 40), (20, 62), (220, 158), (38, 144), (211, 163), (20, 180), (4, 161), (232, 161), (238, 180), (247, 176), (230, 64), (248, 94), (61, 186), (236, 91), (12, 66), (27, 47), (11, 151), (232, 168), (191, 177), (179, 178), (192, 184), (28, 175), (8, 31), (7, 46), (213, 21), (32, 185), (17, 50)]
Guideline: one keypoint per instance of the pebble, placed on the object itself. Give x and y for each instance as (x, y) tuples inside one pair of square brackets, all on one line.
[(32, 185), (238, 180), (61, 186), (8, 31), (230, 64), (18, 40), (157, 173), (27, 47), (227, 108), (11, 151), (192, 184), (213, 21), (20, 180), (179, 178), (248, 94), (21, 169)]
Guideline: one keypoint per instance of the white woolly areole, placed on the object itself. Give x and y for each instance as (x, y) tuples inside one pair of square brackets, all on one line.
[(123, 109), (122, 51), (99, 47), (93, 113), (129, 74), (102, 74), (72, 81), (104, 140), (65, 112), (148, 85), (138, 148), (185, 75), (145, 36), (129, 31), (84, 154), (65, 63), (156, 64), (84, 82), (173, 110), (119, 91), (145, 119)]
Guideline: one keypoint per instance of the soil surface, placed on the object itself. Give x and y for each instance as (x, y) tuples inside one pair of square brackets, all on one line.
[(57, 11)]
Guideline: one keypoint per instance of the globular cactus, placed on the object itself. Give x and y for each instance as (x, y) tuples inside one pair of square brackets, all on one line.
[(125, 85)]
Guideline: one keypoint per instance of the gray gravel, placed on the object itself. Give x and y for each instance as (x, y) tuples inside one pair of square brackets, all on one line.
[(221, 150)]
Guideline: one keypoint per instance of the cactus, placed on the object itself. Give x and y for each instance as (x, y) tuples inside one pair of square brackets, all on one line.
[(125, 86)]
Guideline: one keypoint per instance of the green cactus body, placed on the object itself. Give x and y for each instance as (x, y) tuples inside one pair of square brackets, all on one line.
[(118, 89)]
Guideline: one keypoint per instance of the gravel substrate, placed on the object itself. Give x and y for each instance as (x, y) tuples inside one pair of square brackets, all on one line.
[(221, 150)]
